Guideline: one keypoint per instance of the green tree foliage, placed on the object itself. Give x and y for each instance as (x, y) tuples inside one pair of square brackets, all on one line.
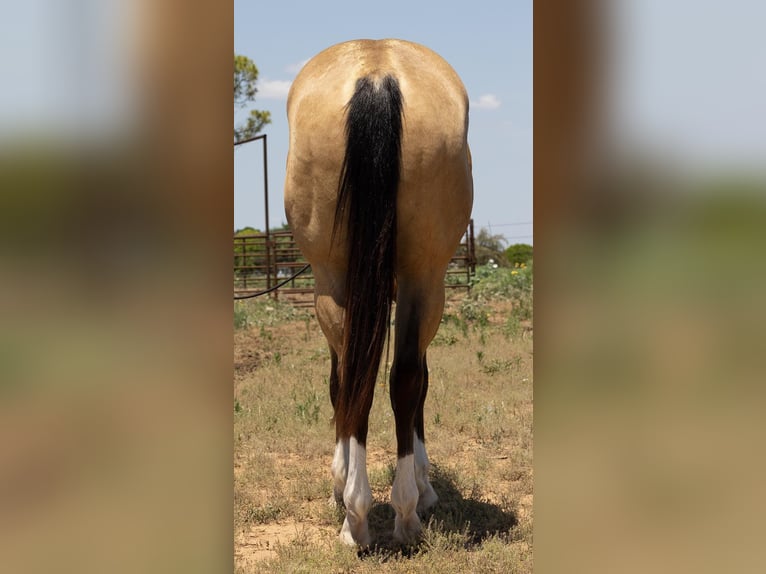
[(248, 252), (519, 253), (245, 78), (285, 246)]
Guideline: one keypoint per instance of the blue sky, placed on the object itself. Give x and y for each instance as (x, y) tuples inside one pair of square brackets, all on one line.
[(688, 81), (488, 43)]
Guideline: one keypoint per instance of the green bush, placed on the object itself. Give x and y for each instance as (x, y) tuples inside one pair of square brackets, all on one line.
[(493, 282), (519, 253)]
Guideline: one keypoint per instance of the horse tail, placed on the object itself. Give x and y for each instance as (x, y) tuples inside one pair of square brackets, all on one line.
[(367, 192)]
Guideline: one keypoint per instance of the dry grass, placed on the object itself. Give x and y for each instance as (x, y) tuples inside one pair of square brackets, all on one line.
[(478, 433)]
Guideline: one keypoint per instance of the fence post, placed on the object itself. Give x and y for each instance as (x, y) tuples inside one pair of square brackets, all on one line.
[(471, 254)]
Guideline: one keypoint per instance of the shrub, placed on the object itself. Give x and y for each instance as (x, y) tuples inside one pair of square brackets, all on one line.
[(519, 253), (493, 283)]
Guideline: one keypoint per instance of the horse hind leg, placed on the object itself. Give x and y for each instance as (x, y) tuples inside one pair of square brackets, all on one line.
[(417, 319), (350, 482), (427, 497), (351, 486), (339, 466), (412, 493), (357, 497), (349, 463), (406, 387)]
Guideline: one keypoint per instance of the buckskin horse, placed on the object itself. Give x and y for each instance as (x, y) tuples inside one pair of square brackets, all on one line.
[(378, 192)]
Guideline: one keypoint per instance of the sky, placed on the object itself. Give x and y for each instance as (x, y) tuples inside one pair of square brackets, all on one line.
[(489, 44), (688, 81)]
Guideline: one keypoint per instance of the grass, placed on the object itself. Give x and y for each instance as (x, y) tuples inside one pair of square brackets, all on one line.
[(478, 432)]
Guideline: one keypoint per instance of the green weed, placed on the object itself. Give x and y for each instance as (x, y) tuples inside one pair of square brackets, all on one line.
[(307, 410), (240, 317), (262, 514)]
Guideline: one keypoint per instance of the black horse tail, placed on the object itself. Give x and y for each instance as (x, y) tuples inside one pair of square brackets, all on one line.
[(367, 205)]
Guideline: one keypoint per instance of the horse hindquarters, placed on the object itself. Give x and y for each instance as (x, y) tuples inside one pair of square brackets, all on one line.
[(347, 125)]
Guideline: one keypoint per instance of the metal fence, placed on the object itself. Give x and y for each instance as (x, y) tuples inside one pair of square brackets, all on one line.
[(262, 260)]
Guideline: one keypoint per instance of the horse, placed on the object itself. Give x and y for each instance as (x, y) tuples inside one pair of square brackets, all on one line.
[(378, 193)]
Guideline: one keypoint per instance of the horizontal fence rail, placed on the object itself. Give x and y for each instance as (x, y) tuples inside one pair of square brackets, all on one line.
[(262, 260)]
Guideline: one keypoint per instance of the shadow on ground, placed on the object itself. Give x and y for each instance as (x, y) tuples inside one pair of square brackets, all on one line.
[(464, 520)]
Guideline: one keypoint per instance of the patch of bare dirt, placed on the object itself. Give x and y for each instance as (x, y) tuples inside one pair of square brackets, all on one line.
[(260, 542), (247, 356), (249, 343)]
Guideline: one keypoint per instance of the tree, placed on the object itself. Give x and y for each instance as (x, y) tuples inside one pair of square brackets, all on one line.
[(490, 246), (519, 253), (248, 252), (245, 78), (284, 245)]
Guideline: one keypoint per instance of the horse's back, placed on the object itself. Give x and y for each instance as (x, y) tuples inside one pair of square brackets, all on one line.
[(435, 189)]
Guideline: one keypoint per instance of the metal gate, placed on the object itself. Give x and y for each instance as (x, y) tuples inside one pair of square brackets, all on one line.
[(262, 260)]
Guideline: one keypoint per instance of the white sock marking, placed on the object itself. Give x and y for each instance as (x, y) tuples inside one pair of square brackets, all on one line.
[(404, 499), (339, 469), (356, 496), (427, 496)]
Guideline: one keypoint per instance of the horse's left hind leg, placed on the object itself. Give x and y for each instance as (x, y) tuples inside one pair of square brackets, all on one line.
[(349, 463), (417, 318), (339, 467)]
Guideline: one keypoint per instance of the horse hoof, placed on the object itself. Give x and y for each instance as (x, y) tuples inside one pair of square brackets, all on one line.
[(360, 538), (407, 531), (427, 499)]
